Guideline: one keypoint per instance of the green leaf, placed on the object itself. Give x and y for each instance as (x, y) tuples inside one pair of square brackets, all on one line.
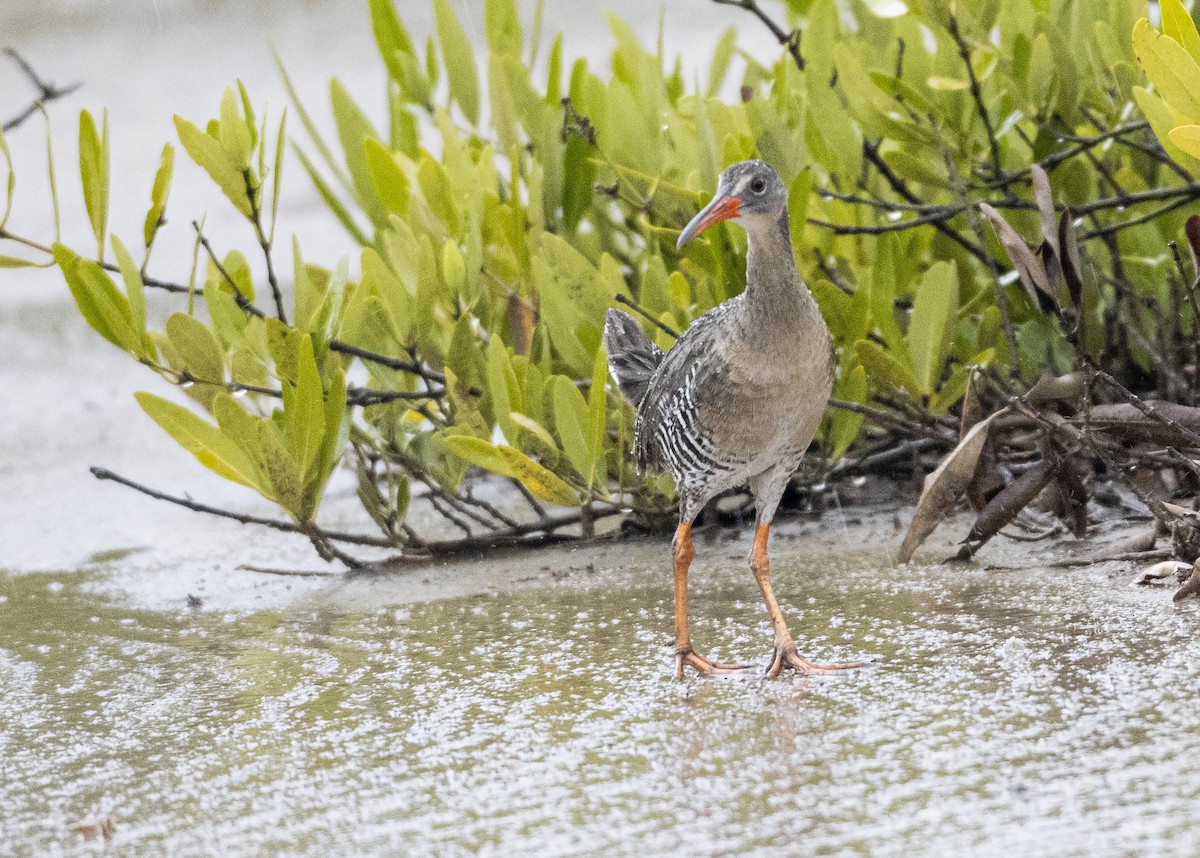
[(395, 297), (94, 171), (438, 193), (570, 422), (135, 292), (798, 206), (1162, 123), (537, 430), (390, 36), (510, 462), (883, 367), (846, 425), (211, 447), (388, 180), (277, 172), (209, 154), (1187, 139), (1178, 24), (503, 27), (597, 404), (303, 410), (234, 133), (459, 60), (1170, 68), (201, 354), (354, 128), (314, 135), (98, 299), (158, 194), (284, 345), (335, 205), (503, 387), (16, 262), (281, 471), (333, 443), (884, 274), (930, 329)]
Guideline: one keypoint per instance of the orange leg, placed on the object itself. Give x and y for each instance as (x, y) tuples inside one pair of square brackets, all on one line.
[(684, 654), (785, 654)]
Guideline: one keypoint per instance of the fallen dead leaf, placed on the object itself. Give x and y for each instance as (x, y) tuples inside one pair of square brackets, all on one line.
[(944, 487)]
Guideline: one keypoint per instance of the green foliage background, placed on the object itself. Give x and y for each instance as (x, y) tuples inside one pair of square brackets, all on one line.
[(509, 201)]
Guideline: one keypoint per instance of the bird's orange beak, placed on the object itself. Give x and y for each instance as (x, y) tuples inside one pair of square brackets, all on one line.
[(722, 207)]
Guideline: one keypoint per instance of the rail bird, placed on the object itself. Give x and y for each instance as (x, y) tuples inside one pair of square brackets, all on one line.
[(737, 399)]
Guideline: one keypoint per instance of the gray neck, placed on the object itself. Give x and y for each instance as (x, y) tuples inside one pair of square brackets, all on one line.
[(775, 293)]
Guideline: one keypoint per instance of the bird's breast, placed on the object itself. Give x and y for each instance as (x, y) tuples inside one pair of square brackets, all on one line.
[(770, 400)]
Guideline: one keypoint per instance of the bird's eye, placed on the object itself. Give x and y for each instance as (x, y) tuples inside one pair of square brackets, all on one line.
[(758, 186)]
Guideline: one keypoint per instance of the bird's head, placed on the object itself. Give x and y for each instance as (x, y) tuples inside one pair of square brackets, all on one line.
[(748, 192)]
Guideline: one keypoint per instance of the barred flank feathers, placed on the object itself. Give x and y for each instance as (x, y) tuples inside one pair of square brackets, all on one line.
[(632, 358)]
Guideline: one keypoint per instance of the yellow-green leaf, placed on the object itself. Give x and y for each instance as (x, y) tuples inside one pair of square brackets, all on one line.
[(235, 136), (459, 60), (158, 194), (930, 329), (208, 152), (198, 347), (883, 367), (1187, 138), (510, 462), (211, 447), (570, 420), (1178, 25), (94, 171), (134, 290), (389, 181), (304, 410), (1170, 68)]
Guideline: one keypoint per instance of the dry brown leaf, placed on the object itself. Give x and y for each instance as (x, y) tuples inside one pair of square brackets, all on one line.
[(1029, 267), (1050, 251), (1071, 268), (1126, 422), (944, 487), (1008, 502)]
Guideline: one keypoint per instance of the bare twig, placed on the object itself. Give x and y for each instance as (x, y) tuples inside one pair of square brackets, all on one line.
[(275, 524), (388, 361), (264, 242), (964, 51), (790, 40), (47, 91), (641, 311)]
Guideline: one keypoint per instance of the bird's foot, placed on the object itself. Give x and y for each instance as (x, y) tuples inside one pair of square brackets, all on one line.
[(786, 658), (704, 666)]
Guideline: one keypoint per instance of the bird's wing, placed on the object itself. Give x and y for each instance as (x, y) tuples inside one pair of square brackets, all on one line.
[(671, 434)]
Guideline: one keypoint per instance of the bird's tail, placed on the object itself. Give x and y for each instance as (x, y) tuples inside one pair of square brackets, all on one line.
[(631, 356)]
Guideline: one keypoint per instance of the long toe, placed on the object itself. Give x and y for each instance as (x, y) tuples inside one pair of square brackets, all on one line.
[(785, 657), (706, 667)]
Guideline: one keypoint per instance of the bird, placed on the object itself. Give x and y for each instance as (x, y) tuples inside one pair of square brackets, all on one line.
[(736, 400)]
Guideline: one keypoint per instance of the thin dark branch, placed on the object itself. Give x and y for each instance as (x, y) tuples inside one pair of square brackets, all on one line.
[(643, 312), (360, 396), (388, 361), (238, 295), (964, 51), (790, 40), (264, 242), (275, 524), (47, 91)]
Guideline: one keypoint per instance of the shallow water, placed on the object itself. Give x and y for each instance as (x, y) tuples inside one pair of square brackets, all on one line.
[(1005, 711)]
